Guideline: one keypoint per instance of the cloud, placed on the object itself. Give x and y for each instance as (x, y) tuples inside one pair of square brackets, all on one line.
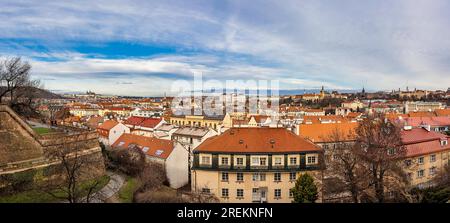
[(345, 44)]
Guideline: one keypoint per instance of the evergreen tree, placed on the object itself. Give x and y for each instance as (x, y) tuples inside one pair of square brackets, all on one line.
[(305, 191)]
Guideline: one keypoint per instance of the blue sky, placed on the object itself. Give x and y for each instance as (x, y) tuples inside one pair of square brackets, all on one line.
[(141, 47)]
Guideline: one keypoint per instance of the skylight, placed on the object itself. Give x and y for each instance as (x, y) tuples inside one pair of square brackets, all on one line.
[(159, 152), (145, 149)]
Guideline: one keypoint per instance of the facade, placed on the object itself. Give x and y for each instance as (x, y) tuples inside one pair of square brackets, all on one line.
[(245, 165), (420, 106), (197, 121)]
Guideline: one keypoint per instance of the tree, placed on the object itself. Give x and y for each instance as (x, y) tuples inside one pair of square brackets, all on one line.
[(17, 86), (131, 160), (305, 191), (74, 176), (345, 164), (379, 147)]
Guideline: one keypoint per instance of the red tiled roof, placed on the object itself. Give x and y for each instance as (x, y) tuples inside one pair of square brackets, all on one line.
[(417, 135), (423, 148), (442, 112), (150, 122), (134, 120), (108, 125), (159, 148), (257, 140), (432, 121), (322, 132)]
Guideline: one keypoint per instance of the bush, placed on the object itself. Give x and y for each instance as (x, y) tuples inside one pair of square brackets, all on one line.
[(17, 182), (131, 161)]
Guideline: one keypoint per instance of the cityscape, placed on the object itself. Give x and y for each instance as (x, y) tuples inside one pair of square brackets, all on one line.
[(219, 102)]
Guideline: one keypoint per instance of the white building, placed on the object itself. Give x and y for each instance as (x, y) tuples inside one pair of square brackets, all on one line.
[(110, 131)]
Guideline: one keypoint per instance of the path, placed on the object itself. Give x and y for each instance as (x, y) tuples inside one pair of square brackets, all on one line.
[(115, 183)]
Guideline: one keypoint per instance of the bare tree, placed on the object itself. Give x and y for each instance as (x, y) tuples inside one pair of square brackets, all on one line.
[(379, 148), (75, 174), (17, 86), (345, 164)]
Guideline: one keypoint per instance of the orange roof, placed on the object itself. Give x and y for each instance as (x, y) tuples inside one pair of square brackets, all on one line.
[(318, 119), (323, 132), (257, 140), (155, 147), (442, 112), (108, 125), (421, 114)]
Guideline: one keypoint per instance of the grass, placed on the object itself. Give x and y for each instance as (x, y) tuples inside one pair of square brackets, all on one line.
[(42, 130), (37, 196), (127, 190)]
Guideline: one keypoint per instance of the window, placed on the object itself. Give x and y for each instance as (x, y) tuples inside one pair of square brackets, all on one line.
[(311, 159), (420, 160), (240, 161), (259, 177), (239, 176), (432, 171), (444, 142), (277, 177), (206, 190), (263, 161), (255, 160), (433, 158), (292, 176), (420, 173), (278, 160), (225, 192), (206, 160), (391, 151), (291, 193), (277, 193), (240, 193), (224, 160), (408, 162), (293, 161), (224, 176)]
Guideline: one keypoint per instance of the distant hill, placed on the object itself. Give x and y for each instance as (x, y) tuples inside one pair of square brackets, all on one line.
[(40, 93)]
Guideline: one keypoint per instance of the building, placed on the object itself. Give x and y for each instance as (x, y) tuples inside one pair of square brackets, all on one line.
[(172, 156), (427, 152), (254, 165), (421, 106), (197, 121), (147, 112), (110, 131)]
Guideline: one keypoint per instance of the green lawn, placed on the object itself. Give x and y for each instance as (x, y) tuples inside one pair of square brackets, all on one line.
[(42, 130), (36, 196), (127, 190)]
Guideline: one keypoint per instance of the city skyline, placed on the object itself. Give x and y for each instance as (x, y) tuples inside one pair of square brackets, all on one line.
[(139, 48)]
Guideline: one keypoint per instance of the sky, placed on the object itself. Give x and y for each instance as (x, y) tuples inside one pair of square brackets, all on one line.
[(141, 47)]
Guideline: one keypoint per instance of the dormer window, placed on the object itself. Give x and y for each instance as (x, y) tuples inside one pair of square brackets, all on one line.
[(444, 142)]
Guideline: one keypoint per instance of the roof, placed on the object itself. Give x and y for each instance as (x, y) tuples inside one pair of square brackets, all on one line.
[(154, 147), (321, 132), (417, 135), (257, 140), (421, 114), (423, 148), (165, 127), (150, 122), (108, 125), (134, 120), (442, 112), (432, 121), (191, 131)]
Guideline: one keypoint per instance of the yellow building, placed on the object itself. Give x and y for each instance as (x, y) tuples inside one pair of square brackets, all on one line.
[(245, 165), (427, 152), (197, 121)]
